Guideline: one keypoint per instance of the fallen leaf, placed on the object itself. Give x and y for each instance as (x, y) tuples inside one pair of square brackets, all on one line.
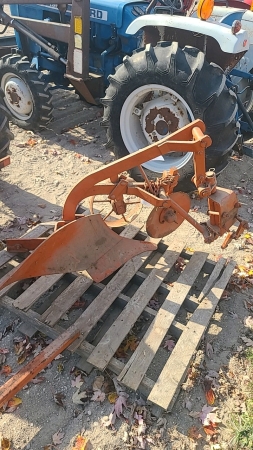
[(209, 350), (5, 444), (98, 382), (31, 142), (247, 341), (169, 344), (193, 433), (14, 402), (188, 404), (77, 382), (6, 370), (110, 421), (42, 205), (248, 322), (81, 443), (210, 429), (60, 367), (38, 380), (210, 397), (208, 415), (4, 351), (98, 396), (58, 397), (60, 356), (112, 397), (131, 343), (79, 398), (120, 402), (2, 360), (58, 437)]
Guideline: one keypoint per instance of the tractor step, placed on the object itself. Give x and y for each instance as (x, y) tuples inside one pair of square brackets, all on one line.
[(149, 298)]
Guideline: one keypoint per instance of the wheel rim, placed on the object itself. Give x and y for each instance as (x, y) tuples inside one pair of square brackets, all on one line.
[(18, 97), (150, 113)]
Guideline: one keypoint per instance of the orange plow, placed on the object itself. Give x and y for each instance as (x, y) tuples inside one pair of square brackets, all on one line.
[(88, 243)]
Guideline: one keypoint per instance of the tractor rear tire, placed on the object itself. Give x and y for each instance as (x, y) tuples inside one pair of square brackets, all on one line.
[(5, 134), (157, 91), (27, 95)]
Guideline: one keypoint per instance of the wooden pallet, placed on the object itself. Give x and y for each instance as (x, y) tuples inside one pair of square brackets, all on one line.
[(121, 303)]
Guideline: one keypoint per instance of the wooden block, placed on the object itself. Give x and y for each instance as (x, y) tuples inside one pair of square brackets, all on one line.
[(66, 299), (105, 350), (33, 292), (169, 381), (138, 364)]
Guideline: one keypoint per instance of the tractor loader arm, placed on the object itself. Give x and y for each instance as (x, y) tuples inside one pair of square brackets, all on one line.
[(87, 243)]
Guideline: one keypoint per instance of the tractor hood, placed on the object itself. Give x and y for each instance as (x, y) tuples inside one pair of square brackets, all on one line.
[(111, 11)]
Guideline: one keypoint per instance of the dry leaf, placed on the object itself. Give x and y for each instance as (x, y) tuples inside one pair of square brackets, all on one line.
[(6, 370), (248, 322), (208, 415), (38, 380), (5, 444), (77, 382), (58, 399), (112, 397), (210, 429), (110, 421), (79, 398), (14, 402), (31, 142), (3, 351), (169, 344), (209, 350), (120, 402), (247, 341), (193, 433), (210, 397), (81, 443), (98, 382), (58, 437), (188, 404), (98, 396)]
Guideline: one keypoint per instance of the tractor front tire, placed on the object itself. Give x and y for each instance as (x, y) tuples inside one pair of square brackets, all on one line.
[(161, 89), (27, 95), (5, 134)]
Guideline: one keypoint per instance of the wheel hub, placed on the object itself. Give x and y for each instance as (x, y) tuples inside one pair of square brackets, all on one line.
[(18, 96), (162, 116)]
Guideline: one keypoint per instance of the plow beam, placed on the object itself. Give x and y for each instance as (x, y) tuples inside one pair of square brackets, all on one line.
[(85, 244)]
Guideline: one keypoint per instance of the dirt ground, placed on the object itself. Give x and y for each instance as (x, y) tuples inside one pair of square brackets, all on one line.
[(44, 167)]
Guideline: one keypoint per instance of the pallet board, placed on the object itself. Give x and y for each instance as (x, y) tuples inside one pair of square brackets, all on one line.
[(184, 304)]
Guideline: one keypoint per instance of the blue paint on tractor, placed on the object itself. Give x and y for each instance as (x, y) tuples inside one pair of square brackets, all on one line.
[(109, 42)]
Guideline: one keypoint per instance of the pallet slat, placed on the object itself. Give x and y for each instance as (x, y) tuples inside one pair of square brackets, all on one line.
[(104, 300), (66, 299), (105, 350), (141, 359), (169, 381), (33, 292)]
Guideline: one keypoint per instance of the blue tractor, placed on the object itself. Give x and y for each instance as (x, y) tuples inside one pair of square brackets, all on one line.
[(161, 68)]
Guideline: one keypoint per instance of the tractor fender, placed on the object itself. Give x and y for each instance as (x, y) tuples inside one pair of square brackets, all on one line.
[(228, 42)]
